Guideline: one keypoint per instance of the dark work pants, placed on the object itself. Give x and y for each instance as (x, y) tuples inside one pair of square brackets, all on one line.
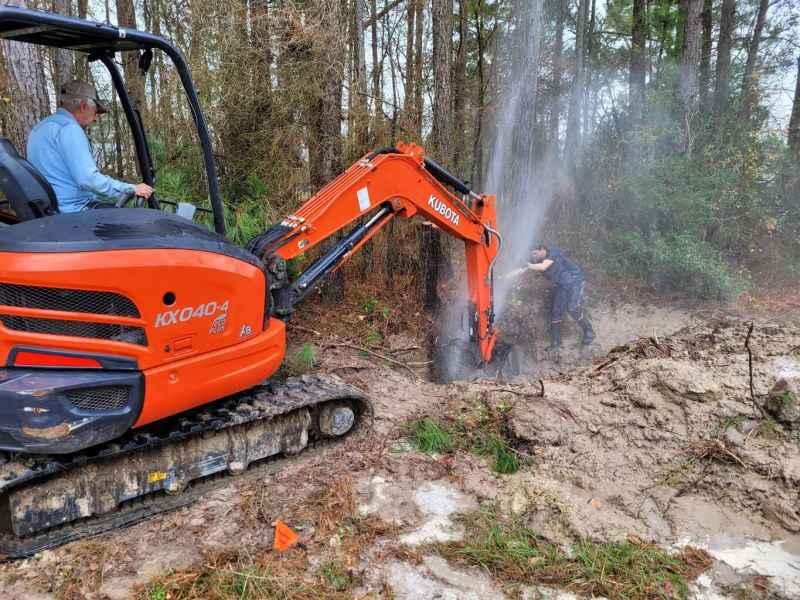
[(568, 299)]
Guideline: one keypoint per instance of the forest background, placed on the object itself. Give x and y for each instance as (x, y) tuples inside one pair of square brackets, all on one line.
[(663, 135)]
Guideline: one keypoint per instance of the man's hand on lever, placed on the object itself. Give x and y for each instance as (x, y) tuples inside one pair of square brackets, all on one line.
[(143, 190)]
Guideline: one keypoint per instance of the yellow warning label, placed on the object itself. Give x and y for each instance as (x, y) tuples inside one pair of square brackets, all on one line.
[(156, 476)]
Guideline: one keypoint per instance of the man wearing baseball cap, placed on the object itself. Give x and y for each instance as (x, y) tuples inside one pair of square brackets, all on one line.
[(59, 148)]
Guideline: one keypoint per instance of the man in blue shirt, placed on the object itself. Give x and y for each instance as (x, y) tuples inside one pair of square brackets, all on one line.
[(59, 148), (569, 280)]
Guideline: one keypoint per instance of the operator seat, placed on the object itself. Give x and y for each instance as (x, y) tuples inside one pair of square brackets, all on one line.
[(30, 195)]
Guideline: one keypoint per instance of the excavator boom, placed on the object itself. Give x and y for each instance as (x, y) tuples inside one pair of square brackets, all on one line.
[(382, 185)]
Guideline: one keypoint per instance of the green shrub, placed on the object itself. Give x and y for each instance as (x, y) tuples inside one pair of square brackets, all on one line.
[(677, 261)]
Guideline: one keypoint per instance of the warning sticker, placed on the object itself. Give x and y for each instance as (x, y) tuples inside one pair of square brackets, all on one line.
[(363, 199)]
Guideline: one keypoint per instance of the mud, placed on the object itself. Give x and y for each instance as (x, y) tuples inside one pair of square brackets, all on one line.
[(658, 438)]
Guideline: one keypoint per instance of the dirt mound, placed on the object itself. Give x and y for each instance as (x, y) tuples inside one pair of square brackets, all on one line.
[(661, 439)]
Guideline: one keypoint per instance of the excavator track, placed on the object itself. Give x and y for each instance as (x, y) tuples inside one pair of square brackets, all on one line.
[(47, 501)]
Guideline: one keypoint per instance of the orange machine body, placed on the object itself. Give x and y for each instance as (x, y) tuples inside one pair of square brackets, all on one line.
[(112, 319), (202, 316)]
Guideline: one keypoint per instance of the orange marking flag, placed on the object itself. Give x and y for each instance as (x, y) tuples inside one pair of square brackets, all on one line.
[(285, 538)]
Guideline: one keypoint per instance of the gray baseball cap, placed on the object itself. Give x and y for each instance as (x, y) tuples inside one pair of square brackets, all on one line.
[(80, 90)]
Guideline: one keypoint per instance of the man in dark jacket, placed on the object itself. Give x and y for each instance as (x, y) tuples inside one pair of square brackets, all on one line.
[(569, 280)]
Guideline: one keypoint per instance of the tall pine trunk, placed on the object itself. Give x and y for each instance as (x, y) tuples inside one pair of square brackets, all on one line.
[(418, 64), (727, 24), (441, 143), (24, 65), (134, 82), (573, 136), (459, 91), (794, 122), (690, 53), (637, 77), (408, 97), (477, 148), (748, 80), (705, 53), (325, 118), (377, 94), (359, 111), (558, 69), (63, 63)]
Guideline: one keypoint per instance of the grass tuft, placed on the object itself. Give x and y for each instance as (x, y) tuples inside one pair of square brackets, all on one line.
[(237, 576), (430, 437), (339, 578), (306, 357), (505, 459), (629, 570), (483, 432)]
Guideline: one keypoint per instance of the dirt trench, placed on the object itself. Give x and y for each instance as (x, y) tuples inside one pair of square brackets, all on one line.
[(657, 440)]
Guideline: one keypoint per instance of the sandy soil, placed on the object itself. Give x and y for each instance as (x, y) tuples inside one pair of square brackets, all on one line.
[(658, 439)]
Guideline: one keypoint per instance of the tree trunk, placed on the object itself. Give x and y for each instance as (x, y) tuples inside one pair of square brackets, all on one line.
[(794, 122), (418, 64), (359, 114), (441, 143), (748, 81), (119, 166), (589, 70), (459, 89), (573, 136), (690, 53), (377, 94), (723, 71), (24, 66), (637, 78), (408, 97), (134, 82), (523, 149), (477, 150), (63, 64), (324, 140), (442, 130), (558, 67), (705, 53)]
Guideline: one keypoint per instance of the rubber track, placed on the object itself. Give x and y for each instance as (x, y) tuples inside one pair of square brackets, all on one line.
[(258, 403)]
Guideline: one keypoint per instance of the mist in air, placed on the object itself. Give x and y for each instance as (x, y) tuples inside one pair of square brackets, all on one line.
[(513, 173)]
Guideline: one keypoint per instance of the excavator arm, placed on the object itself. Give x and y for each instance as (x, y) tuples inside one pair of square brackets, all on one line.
[(382, 185)]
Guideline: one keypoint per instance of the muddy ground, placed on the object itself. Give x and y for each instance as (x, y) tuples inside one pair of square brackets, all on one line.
[(650, 437)]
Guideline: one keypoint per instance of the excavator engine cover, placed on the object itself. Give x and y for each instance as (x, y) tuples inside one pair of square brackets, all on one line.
[(116, 318)]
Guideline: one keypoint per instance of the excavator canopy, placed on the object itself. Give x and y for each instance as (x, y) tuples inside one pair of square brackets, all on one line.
[(101, 41)]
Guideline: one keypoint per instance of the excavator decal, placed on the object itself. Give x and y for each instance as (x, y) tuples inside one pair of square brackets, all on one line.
[(182, 315), (444, 210)]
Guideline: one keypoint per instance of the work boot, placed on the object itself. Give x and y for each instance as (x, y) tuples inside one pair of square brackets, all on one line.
[(588, 332), (555, 338)]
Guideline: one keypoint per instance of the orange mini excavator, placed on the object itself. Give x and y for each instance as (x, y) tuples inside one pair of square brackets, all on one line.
[(137, 344)]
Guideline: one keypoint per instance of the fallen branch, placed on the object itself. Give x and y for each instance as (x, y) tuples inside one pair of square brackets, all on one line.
[(750, 369), (376, 354), (715, 449), (521, 393), (402, 350), (306, 329), (602, 366)]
